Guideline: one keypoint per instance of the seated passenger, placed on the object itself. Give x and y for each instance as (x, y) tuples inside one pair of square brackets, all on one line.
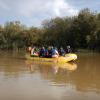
[(46, 53), (34, 53), (32, 50), (50, 52), (42, 52), (55, 53), (68, 50), (62, 52), (29, 49)]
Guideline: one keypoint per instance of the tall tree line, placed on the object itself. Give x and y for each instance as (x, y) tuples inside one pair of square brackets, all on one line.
[(81, 31)]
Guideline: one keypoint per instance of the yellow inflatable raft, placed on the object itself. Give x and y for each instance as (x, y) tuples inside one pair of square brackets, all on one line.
[(61, 59)]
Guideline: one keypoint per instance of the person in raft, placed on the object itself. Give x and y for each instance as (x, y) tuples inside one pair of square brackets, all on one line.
[(51, 52), (29, 49), (61, 52), (42, 52), (34, 53), (68, 50), (55, 53)]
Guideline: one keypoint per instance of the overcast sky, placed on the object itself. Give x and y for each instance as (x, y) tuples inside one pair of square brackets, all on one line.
[(33, 12)]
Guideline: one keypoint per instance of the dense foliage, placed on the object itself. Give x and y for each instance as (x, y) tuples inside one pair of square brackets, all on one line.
[(81, 31)]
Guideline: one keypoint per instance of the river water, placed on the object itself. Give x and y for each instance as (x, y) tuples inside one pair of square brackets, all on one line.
[(22, 79)]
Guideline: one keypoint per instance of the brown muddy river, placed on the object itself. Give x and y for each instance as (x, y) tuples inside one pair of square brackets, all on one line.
[(22, 79)]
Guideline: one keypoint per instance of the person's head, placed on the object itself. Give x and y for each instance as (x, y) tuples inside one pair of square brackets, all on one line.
[(49, 48), (52, 47), (68, 47), (43, 47)]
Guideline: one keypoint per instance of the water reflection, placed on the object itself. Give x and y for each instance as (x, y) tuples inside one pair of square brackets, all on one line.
[(56, 73), (54, 67)]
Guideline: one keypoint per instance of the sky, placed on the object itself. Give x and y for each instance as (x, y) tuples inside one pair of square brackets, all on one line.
[(34, 12)]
